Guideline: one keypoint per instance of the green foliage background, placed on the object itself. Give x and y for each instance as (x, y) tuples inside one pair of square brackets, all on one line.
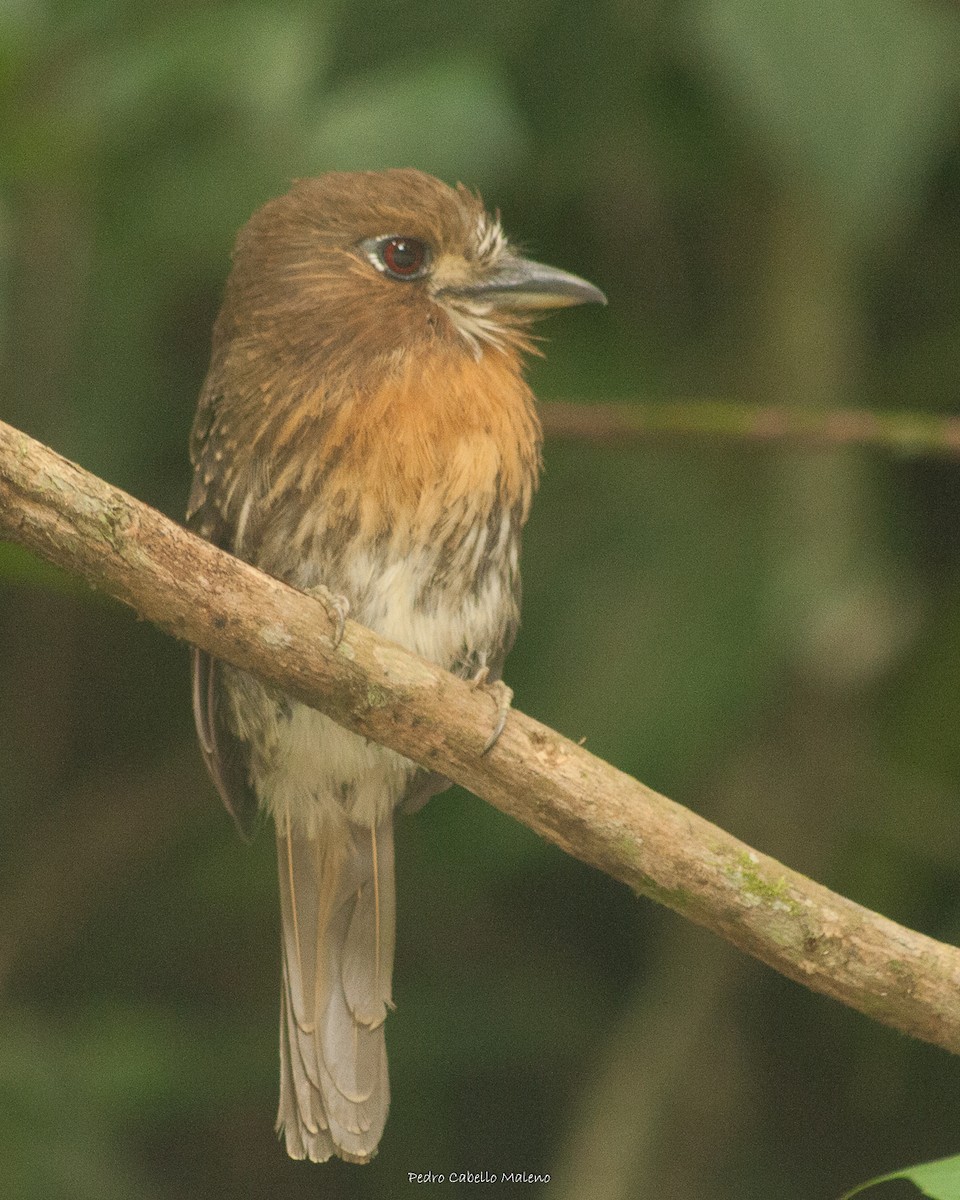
[(769, 193)]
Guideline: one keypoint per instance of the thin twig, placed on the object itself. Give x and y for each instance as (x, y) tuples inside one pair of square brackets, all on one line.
[(905, 433), (587, 807)]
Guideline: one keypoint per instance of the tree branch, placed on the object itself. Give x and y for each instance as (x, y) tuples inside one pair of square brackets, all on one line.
[(908, 433), (582, 804)]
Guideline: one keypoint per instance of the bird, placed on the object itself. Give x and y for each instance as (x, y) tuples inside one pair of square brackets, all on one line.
[(364, 433)]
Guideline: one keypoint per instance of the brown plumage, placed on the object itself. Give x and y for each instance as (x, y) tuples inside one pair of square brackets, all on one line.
[(364, 427)]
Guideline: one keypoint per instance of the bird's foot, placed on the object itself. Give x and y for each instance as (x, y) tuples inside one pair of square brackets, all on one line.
[(503, 698), (338, 609)]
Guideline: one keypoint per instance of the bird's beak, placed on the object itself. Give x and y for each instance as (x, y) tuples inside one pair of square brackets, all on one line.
[(521, 285)]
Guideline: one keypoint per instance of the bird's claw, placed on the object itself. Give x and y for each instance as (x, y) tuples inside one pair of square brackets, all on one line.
[(502, 696), (338, 609)]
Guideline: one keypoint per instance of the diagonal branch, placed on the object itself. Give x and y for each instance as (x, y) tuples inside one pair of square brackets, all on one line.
[(587, 807)]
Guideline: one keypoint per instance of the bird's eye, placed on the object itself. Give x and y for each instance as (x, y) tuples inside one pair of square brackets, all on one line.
[(403, 257)]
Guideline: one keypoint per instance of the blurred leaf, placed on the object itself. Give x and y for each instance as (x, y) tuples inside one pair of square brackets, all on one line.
[(261, 60), (643, 619), (452, 117), (69, 1102), (54, 1138), (856, 92), (21, 23), (940, 1180)]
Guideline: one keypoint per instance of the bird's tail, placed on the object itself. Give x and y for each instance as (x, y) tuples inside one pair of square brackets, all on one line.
[(337, 906)]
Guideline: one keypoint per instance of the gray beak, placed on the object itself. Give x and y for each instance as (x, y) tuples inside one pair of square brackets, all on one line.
[(521, 285)]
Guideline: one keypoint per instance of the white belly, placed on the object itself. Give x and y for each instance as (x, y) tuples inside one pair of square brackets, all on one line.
[(317, 774)]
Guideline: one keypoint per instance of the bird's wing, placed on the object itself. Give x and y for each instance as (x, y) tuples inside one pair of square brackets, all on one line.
[(226, 756)]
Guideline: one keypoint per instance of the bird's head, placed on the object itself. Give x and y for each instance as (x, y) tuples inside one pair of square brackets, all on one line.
[(353, 271)]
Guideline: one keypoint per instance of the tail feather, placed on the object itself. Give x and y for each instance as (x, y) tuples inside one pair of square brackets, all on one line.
[(301, 1128), (367, 967), (338, 914)]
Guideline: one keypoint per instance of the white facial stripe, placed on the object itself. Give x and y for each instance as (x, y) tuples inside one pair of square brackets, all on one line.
[(475, 324), (490, 237)]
